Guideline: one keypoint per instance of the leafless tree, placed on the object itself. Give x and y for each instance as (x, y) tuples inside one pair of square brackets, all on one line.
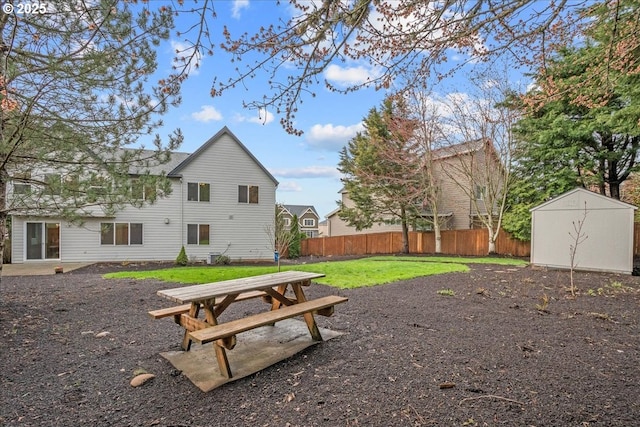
[(479, 127)]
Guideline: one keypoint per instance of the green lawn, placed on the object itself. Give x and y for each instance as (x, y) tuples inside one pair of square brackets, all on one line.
[(341, 274)]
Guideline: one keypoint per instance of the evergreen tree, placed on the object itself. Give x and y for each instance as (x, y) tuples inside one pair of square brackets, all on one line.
[(582, 126), (75, 95), (382, 184), (294, 231)]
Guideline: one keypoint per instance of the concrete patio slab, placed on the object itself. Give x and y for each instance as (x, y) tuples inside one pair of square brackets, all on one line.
[(40, 268)]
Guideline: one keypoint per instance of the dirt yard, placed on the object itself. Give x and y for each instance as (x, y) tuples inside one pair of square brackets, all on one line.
[(496, 346)]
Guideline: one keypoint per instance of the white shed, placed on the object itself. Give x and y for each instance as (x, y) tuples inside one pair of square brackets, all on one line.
[(607, 228)]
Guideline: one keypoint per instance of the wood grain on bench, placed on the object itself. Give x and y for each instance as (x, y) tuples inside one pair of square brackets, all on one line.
[(228, 329)]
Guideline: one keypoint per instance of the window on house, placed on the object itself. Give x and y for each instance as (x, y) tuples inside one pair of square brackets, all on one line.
[(120, 233), (140, 191), (198, 191), (248, 194), (97, 188), (309, 222), (287, 222), (480, 192), (197, 234), (21, 183), (53, 182)]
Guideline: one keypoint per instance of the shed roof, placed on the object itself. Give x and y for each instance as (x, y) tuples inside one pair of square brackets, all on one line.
[(614, 203)]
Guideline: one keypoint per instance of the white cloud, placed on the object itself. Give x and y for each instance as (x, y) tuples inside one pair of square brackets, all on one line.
[(238, 5), (330, 137), (264, 117), (207, 113), (308, 172), (182, 50), (346, 76), (289, 187)]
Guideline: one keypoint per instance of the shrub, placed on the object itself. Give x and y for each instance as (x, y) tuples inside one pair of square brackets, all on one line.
[(222, 260), (182, 258)]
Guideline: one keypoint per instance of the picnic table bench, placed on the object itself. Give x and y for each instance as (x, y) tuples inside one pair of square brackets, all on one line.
[(215, 298)]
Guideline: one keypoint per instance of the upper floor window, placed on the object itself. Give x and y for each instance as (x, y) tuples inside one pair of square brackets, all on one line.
[(309, 222), (140, 191), (480, 191), (198, 191), (53, 183), (247, 194), (21, 183), (287, 222)]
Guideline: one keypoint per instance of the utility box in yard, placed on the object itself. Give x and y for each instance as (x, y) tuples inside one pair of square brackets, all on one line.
[(607, 232)]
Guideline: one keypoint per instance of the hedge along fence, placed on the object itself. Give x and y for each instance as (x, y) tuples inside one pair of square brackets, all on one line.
[(454, 242)]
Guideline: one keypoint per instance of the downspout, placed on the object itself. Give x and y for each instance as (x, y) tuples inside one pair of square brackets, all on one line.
[(181, 213)]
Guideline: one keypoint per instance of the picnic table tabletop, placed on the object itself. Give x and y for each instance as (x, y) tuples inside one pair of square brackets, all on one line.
[(195, 293)]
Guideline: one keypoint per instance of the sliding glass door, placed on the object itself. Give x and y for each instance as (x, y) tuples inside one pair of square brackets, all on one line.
[(42, 240)]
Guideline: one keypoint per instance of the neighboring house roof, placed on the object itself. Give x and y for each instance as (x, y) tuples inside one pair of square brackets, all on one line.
[(300, 210), (175, 172)]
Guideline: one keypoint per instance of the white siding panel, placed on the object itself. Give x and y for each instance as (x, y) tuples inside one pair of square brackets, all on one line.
[(236, 229)]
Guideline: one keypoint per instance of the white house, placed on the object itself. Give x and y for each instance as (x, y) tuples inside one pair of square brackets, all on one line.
[(221, 202), (606, 242)]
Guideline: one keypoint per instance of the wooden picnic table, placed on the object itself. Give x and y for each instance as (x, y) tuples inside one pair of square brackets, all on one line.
[(215, 298)]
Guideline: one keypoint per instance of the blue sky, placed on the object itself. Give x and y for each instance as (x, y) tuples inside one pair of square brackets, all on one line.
[(304, 165)]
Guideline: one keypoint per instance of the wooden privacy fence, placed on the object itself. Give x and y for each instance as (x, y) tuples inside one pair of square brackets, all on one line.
[(454, 242)]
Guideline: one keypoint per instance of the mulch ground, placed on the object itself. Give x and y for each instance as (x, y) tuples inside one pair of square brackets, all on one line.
[(510, 347)]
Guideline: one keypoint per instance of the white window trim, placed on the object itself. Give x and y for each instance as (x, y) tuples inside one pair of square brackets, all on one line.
[(199, 184), (128, 231), (198, 234)]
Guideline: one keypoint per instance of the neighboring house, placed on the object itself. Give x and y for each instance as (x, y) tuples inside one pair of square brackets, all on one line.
[(308, 218), (323, 228), (222, 198), (457, 191)]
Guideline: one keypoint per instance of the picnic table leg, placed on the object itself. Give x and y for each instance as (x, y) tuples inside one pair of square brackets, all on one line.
[(221, 354), (193, 312), (275, 304), (308, 317)]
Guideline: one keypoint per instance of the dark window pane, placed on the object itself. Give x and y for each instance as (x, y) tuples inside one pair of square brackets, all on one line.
[(204, 234), (106, 233), (122, 233), (253, 194), (192, 234), (192, 191), (136, 234), (242, 194), (136, 190), (205, 192)]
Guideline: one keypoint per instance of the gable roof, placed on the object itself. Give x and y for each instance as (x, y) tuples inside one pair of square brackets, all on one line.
[(175, 172), (300, 210), (615, 203)]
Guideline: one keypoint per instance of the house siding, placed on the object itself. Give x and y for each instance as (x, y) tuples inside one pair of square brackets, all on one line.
[(236, 229), (456, 189)]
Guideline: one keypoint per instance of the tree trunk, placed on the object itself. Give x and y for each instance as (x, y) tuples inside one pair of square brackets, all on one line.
[(493, 236), (3, 215), (438, 236), (405, 234), (614, 190)]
